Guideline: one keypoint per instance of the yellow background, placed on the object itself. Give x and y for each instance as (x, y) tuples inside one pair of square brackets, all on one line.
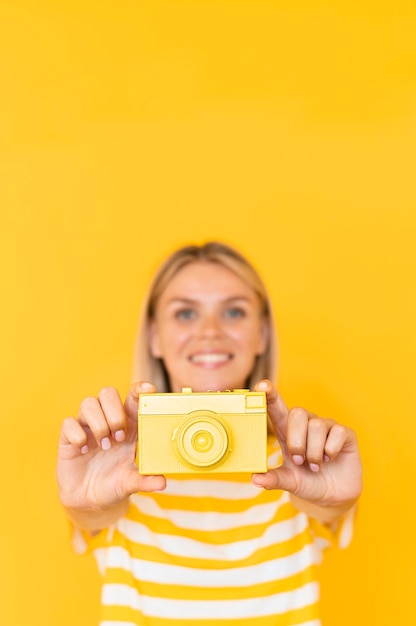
[(285, 128)]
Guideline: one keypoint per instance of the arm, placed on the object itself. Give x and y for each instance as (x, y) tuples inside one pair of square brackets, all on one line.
[(96, 468), (321, 466)]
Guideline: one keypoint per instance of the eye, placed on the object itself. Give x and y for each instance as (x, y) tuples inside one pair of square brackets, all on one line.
[(234, 312), (185, 314)]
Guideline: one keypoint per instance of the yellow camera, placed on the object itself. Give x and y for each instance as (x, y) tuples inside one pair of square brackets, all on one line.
[(185, 433)]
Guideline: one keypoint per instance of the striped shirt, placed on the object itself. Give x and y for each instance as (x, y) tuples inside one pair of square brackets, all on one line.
[(212, 548)]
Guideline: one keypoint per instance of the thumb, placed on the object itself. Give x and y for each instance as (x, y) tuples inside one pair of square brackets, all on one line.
[(276, 409), (280, 478), (132, 399), (135, 482)]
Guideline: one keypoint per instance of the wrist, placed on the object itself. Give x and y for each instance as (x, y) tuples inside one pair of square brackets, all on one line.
[(324, 514), (96, 518)]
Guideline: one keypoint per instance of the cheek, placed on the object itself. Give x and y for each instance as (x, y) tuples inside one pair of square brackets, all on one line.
[(173, 339), (248, 337)]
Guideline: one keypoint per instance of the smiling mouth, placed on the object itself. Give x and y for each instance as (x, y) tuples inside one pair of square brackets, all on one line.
[(210, 358)]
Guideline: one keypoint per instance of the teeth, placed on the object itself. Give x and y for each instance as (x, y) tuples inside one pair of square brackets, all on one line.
[(209, 358)]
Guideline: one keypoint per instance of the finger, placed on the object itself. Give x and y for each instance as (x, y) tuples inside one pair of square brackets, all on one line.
[(113, 410), (318, 430), (73, 434), (297, 434), (132, 399), (276, 408), (91, 415), (338, 438), (307, 437)]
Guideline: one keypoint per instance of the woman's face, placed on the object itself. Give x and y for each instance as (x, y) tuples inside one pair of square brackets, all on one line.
[(208, 329)]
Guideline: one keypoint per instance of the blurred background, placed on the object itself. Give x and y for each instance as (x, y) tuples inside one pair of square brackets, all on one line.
[(285, 128)]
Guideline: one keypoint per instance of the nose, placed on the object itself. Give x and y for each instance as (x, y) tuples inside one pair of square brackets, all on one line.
[(210, 326)]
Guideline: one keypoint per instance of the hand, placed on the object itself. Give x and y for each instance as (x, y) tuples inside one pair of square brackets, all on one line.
[(321, 462), (96, 467)]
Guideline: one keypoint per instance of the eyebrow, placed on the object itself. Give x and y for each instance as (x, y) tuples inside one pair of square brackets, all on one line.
[(175, 300)]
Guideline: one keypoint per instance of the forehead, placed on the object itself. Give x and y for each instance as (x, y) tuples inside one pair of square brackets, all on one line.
[(203, 279)]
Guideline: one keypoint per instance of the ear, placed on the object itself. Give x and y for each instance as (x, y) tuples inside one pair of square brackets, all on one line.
[(264, 336), (154, 343)]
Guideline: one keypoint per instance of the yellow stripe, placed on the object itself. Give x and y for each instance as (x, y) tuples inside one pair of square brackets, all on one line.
[(293, 618), (166, 527), (154, 554), (211, 503), (221, 505), (180, 592), (214, 537)]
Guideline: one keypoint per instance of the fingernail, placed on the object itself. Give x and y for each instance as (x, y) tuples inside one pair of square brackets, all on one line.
[(119, 435), (106, 443), (314, 467), (263, 385), (297, 459), (84, 449), (143, 388), (326, 458)]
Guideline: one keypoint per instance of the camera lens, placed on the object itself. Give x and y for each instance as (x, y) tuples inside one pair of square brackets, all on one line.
[(202, 440)]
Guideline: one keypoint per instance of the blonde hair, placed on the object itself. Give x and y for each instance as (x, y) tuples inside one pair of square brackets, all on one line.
[(148, 368)]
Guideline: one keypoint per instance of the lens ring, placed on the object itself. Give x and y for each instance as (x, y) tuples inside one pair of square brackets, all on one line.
[(202, 440)]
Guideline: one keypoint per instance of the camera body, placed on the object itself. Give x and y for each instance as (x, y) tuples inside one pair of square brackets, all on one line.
[(194, 433)]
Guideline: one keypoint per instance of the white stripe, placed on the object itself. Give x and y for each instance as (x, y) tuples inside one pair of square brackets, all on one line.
[(220, 489), (166, 574), (78, 541), (118, 623), (347, 527), (123, 595), (210, 520), (314, 622), (274, 459), (321, 545), (185, 547)]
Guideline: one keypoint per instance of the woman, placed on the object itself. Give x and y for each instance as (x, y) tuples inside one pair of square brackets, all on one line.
[(216, 547)]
